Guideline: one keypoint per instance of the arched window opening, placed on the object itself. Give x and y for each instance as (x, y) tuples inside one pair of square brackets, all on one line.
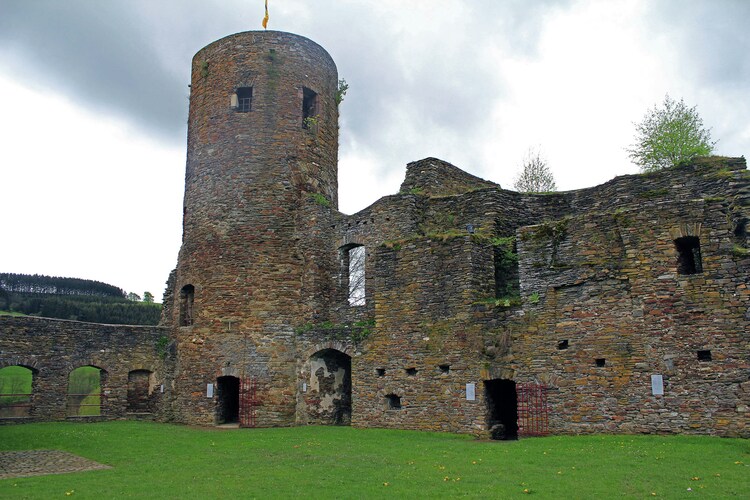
[(689, 259), (16, 384), (141, 385), (187, 297), (85, 397), (353, 270)]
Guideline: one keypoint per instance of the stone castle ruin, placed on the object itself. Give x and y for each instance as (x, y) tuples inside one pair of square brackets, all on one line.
[(453, 305)]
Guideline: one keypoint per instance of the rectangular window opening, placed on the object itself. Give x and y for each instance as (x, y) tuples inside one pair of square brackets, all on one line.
[(354, 260), (393, 402), (411, 371), (562, 345), (600, 362), (506, 268), (446, 368), (380, 372), (244, 99), (309, 106), (704, 355), (689, 259)]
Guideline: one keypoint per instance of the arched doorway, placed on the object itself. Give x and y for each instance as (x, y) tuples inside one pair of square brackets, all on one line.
[(227, 400), (85, 398), (329, 394)]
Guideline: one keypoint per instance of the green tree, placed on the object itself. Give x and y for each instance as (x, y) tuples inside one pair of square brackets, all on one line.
[(668, 135), (535, 176), (148, 297), (134, 297)]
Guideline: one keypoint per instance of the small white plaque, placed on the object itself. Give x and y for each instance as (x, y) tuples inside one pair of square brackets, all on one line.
[(162, 387), (657, 385), (210, 390), (470, 392), (304, 386)]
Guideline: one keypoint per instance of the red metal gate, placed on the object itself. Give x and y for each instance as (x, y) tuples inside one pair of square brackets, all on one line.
[(532, 409), (248, 401)]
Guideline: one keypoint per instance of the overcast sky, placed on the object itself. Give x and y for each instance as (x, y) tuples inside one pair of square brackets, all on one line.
[(94, 103)]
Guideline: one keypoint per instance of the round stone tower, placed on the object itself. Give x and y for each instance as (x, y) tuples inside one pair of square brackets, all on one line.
[(262, 143)]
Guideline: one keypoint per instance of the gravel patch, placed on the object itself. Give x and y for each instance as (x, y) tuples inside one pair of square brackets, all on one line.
[(41, 462)]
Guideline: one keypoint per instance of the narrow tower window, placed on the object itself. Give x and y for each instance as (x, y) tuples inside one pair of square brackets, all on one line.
[(242, 100), (309, 106), (357, 276), (688, 255), (187, 295)]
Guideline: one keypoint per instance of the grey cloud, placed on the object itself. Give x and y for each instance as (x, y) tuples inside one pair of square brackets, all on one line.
[(132, 58), (97, 53), (712, 38)]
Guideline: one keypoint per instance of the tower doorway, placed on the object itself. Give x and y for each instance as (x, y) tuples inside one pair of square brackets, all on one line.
[(502, 408), (329, 395), (228, 400)]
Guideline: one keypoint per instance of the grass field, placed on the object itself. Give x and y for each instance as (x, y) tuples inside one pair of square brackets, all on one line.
[(168, 461)]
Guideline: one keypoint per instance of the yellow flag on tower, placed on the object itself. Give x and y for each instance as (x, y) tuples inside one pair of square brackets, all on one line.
[(265, 18)]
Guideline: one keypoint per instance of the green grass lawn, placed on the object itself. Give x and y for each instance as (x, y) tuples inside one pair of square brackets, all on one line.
[(169, 461)]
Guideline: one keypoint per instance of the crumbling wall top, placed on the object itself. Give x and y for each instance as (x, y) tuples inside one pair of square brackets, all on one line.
[(435, 177)]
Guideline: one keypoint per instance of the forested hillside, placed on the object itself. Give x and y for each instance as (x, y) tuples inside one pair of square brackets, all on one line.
[(73, 298)]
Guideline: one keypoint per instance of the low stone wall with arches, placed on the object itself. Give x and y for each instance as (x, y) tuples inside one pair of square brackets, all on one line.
[(73, 370)]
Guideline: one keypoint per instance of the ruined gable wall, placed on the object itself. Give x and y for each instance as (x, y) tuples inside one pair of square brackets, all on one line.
[(608, 285), (602, 275)]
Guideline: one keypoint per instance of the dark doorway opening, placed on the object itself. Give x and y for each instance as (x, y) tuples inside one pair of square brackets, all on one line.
[(228, 396), (502, 408)]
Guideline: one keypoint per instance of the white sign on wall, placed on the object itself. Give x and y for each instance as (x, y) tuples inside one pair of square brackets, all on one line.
[(470, 392), (657, 385), (210, 390)]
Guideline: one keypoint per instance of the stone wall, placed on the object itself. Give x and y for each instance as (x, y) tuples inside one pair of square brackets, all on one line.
[(53, 348), (602, 305), (613, 310)]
